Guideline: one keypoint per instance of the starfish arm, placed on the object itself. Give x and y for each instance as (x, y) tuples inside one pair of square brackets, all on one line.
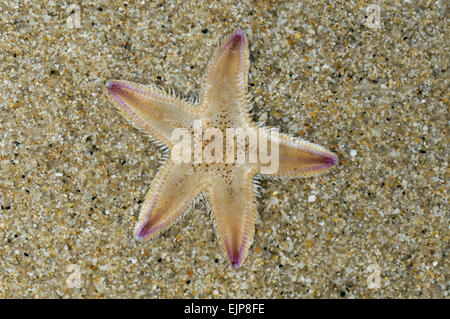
[(298, 157), (173, 190), (150, 109), (232, 204), (224, 91)]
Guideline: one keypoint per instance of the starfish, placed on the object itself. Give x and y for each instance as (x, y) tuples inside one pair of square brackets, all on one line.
[(229, 188)]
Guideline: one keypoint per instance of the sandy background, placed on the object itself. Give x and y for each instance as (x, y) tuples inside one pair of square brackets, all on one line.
[(73, 174)]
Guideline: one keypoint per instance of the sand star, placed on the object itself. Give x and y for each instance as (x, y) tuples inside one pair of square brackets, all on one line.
[(229, 189)]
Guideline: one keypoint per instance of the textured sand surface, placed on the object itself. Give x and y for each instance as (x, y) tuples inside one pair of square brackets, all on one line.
[(73, 174)]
